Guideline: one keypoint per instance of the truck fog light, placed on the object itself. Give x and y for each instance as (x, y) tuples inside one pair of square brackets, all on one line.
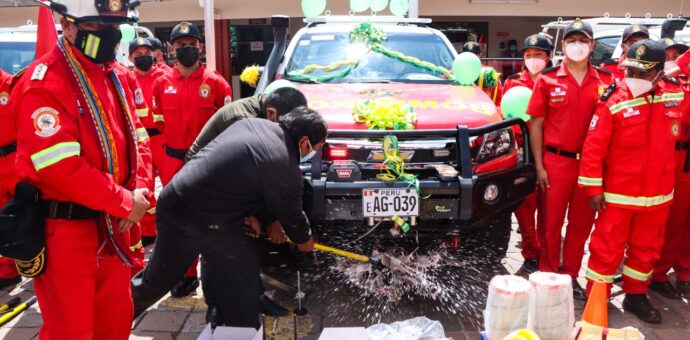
[(491, 193)]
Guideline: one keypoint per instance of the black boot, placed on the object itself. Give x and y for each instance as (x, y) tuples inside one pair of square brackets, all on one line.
[(213, 316), (578, 292), (531, 265), (9, 282), (665, 289), (269, 308), (683, 287), (639, 305), (185, 287), (144, 294)]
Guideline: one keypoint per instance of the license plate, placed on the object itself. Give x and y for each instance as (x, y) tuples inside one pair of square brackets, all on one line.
[(390, 202)]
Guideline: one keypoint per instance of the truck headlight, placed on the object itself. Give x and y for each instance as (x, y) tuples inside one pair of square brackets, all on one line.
[(495, 144)]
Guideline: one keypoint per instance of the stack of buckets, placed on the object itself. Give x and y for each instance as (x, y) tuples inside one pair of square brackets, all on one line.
[(541, 308)]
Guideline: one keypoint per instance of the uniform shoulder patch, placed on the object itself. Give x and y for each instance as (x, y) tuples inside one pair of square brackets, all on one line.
[(39, 72), (513, 76), (608, 92), (550, 69), (671, 80), (602, 70), (46, 121)]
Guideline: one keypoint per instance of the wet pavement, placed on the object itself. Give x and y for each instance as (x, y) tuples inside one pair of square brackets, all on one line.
[(456, 299)]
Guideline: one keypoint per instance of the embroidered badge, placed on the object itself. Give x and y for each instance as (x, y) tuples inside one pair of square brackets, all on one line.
[(640, 51), (671, 104), (593, 123), (4, 98), (39, 72), (170, 89), (558, 92), (204, 90), (115, 5), (46, 121), (184, 27), (533, 40), (601, 90), (138, 97), (630, 112)]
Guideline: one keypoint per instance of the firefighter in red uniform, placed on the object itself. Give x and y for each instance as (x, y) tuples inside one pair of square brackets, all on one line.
[(628, 169), (186, 98), (80, 143), (147, 71), (158, 54), (676, 253), (631, 35), (489, 80), (562, 104), (8, 176), (537, 55)]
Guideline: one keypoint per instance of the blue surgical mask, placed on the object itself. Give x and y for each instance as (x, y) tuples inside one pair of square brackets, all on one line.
[(310, 155)]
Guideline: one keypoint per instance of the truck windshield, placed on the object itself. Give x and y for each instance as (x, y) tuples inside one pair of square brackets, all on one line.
[(325, 49), (15, 56)]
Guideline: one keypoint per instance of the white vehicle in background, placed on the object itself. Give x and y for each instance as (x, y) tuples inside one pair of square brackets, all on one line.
[(18, 46)]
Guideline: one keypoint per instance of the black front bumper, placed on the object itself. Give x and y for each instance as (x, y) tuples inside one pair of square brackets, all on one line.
[(459, 202)]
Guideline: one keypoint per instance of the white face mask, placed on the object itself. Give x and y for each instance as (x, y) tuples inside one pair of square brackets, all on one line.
[(669, 65), (535, 65), (638, 87), (577, 51)]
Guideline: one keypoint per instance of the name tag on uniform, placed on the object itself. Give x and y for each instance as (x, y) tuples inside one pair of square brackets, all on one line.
[(671, 104), (630, 113), (558, 92), (170, 89)]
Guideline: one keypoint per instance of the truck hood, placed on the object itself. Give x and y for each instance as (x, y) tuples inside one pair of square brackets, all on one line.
[(438, 106)]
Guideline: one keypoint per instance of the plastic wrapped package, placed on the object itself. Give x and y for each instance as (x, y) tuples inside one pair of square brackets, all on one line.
[(506, 306), (419, 328), (551, 310)]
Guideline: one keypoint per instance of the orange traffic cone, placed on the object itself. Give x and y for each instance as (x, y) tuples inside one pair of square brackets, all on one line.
[(596, 310)]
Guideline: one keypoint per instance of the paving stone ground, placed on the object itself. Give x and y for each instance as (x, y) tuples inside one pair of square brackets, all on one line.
[(183, 319)]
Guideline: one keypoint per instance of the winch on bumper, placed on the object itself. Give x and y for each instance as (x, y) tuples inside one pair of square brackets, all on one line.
[(453, 193)]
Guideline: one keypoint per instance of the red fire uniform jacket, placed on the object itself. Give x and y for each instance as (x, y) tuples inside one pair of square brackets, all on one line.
[(8, 137), (58, 149), (615, 67), (186, 104), (518, 79), (629, 153), (146, 115)]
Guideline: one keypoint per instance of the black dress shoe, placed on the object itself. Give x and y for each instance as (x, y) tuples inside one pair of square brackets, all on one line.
[(683, 288), (639, 305), (269, 308), (8, 282), (666, 289), (148, 240), (185, 287), (531, 265), (213, 316), (578, 292)]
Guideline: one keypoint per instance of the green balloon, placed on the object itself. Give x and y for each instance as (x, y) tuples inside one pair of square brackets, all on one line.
[(313, 8), (128, 33), (278, 84), (399, 8), (466, 68), (514, 103), (359, 5), (378, 5)]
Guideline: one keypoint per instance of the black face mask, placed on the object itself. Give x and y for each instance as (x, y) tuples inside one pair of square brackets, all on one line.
[(98, 46), (187, 56), (144, 62)]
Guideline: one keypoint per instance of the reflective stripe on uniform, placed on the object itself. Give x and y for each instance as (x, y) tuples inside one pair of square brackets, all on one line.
[(136, 246), (592, 182), (592, 275), (627, 105), (670, 97), (638, 201), (151, 211), (157, 118), (634, 274), (142, 135), (143, 112), (54, 154)]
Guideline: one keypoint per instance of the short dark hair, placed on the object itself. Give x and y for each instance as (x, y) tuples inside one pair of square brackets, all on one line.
[(302, 121), (285, 100)]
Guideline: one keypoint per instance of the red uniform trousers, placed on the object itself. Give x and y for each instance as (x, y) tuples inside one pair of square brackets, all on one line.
[(157, 145), (81, 295), (525, 215), (7, 182), (676, 251), (563, 195), (639, 234)]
